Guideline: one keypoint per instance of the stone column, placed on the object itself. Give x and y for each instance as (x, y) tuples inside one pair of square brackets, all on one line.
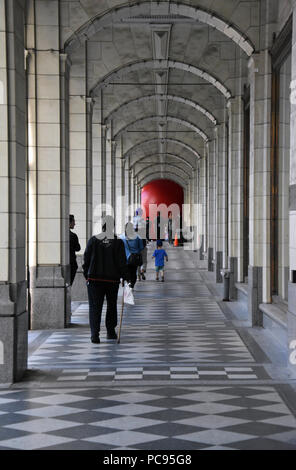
[(131, 185), (194, 211), (211, 203), (127, 190), (292, 202), (203, 204), (236, 192), (221, 200), (97, 196), (81, 110), (49, 192), (139, 194), (13, 314), (96, 158), (130, 195), (119, 189), (136, 190), (186, 209), (113, 175), (89, 167), (198, 211), (260, 142), (104, 131), (108, 156)]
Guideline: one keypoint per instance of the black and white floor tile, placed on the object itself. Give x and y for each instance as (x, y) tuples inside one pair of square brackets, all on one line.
[(177, 417), (151, 373), (183, 377)]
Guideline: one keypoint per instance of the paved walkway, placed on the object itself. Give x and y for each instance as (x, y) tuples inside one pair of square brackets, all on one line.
[(188, 374)]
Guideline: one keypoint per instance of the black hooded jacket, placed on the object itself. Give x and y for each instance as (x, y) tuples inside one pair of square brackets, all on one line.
[(105, 259)]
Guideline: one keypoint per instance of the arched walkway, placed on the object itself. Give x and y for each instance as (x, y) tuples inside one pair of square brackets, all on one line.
[(98, 99)]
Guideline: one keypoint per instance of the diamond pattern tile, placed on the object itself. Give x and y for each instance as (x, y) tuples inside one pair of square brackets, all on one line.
[(182, 378)]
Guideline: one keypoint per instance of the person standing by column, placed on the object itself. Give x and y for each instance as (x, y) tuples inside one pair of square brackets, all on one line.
[(74, 247)]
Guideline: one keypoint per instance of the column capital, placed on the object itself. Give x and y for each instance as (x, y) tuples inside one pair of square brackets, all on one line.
[(257, 61), (236, 100), (27, 56), (65, 62), (90, 102), (220, 126), (104, 129)]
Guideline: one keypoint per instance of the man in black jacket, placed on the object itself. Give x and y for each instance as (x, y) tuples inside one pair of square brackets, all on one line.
[(104, 266), (74, 246)]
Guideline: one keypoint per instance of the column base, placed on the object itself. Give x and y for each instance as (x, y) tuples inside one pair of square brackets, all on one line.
[(255, 295), (219, 266), (210, 260), (50, 298), (233, 278), (78, 289), (291, 312), (13, 334), (292, 325), (201, 249)]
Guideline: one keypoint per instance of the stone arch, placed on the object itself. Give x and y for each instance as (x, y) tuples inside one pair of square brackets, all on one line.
[(156, 8), (155, 175), (178, 99), (166, 118), (157, 164), (172, 155), (159, 64), (175, 141)]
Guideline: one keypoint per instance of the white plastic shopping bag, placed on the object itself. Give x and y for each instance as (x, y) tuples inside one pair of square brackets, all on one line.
[(128, 297)]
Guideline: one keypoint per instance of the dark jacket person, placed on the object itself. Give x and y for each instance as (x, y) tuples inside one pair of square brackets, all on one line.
[(74, 246), (104, 266)]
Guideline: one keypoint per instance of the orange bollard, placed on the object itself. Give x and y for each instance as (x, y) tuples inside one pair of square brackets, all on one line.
[(176, 243)]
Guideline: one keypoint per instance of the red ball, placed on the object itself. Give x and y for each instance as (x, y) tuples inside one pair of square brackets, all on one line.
[(162, 192)]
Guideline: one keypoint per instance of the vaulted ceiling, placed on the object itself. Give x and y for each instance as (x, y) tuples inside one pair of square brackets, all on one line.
[(161, 72)]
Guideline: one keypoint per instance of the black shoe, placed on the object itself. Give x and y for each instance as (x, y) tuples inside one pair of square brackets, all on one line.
[(143, 276), (95, 339), (111, 335), (162, 280)]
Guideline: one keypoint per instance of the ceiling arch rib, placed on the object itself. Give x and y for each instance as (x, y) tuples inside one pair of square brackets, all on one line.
[(178, 99), (155, 176), (170, 155), (165, 119), (174, 141), (159, 64), (161, 165), (164, 9)]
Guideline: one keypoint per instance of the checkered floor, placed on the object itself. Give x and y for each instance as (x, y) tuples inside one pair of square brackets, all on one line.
[(162, 373), (183, 377), (174, 418)]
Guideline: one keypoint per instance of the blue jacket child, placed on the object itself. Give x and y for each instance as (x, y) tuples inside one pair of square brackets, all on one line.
[(159, 255)]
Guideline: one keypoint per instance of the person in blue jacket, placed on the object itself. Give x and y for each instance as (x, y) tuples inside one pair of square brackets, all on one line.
[(133, 244), (159, 255)]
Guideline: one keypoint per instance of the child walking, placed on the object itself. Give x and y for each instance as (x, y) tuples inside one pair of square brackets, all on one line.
[(159, 255)]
